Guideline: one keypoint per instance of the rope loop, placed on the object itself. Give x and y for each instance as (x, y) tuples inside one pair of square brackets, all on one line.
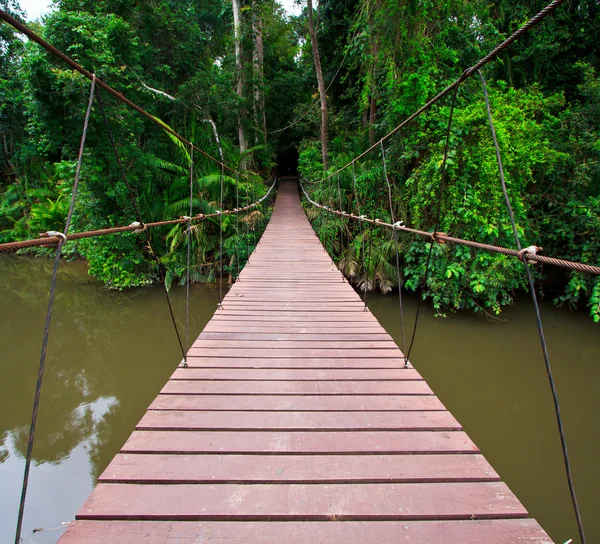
[(531, 250), (140, 227)]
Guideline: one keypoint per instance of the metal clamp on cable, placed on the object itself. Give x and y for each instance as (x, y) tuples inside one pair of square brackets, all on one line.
[(53, 233), (437, 237), (531, 250), (140, 227), (398, 225)]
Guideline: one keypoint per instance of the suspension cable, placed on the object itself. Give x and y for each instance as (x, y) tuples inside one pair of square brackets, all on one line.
[(342, 225), (532, 289), (469, 72), (362, 237), (62, 238), (237, 227), (121, 98), (395, 238), (438, 219), (220, 289), (189, 251), (140, 226)]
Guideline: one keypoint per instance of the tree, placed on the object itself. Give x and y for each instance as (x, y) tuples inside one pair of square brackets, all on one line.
[(320, 83), (239, 73)]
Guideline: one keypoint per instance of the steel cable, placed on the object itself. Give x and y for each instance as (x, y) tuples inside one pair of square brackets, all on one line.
[(395, 238), (38, 386), (140, 226), (465, 75), (538, 317), (59, 54)]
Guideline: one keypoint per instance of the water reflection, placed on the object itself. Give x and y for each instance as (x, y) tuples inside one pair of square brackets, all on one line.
[(110, 353), (108, 356)]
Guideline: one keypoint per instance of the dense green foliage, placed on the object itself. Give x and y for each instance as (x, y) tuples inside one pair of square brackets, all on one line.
[(382, 60), (546, 108)]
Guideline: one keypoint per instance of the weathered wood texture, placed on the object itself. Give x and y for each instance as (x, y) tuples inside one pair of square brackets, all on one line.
[(296, 422)]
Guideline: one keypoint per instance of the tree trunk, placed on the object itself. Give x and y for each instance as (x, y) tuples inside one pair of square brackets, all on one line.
[(239, 73), (320, 81), (258, 67), (373, 106)]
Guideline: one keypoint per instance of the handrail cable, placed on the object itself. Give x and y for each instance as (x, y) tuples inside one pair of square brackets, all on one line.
[(465, 75), (61, 238), (52, 240), (532, 289), (440, 237), (57, 53)]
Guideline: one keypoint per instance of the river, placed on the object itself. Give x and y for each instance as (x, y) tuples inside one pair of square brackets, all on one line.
[(111, 352)]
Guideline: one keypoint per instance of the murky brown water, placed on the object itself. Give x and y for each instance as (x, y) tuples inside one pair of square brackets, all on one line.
[(110, 353)]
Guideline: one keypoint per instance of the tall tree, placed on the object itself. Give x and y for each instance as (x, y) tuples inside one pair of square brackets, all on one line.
[(258, 69), (320, 82), (239, 71)]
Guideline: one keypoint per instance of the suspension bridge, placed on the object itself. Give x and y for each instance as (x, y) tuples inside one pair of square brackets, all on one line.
[(297, 420), (294, 416)]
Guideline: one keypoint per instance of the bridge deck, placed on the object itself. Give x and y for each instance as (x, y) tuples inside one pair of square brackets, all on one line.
[(297, 423)]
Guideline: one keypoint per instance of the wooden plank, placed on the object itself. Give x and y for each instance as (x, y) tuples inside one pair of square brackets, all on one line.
[(295, 337), (219, 469), (306, 403), (282, 352), (513, 531), (204, 361), (269, 374), (199, 387), (300, 442), (173, 420), (296, 344), (300, 502)]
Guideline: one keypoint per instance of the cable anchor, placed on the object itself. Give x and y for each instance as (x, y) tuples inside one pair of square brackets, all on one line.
[(53, 233)]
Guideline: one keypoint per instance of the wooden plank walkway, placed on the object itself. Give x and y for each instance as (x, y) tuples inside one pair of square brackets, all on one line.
[(296, 423)]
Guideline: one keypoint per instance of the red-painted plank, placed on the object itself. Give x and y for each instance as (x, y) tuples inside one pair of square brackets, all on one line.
[(201, 469), (281, 352), (288, 345), (363, 403), (295, 337), (300, 442), (199, 387), (486, 500), (261, 374), (513, 531), (203, 361), (173, 420)]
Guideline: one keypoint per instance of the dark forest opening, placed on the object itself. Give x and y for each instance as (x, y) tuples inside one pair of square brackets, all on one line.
[(287, 162)]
